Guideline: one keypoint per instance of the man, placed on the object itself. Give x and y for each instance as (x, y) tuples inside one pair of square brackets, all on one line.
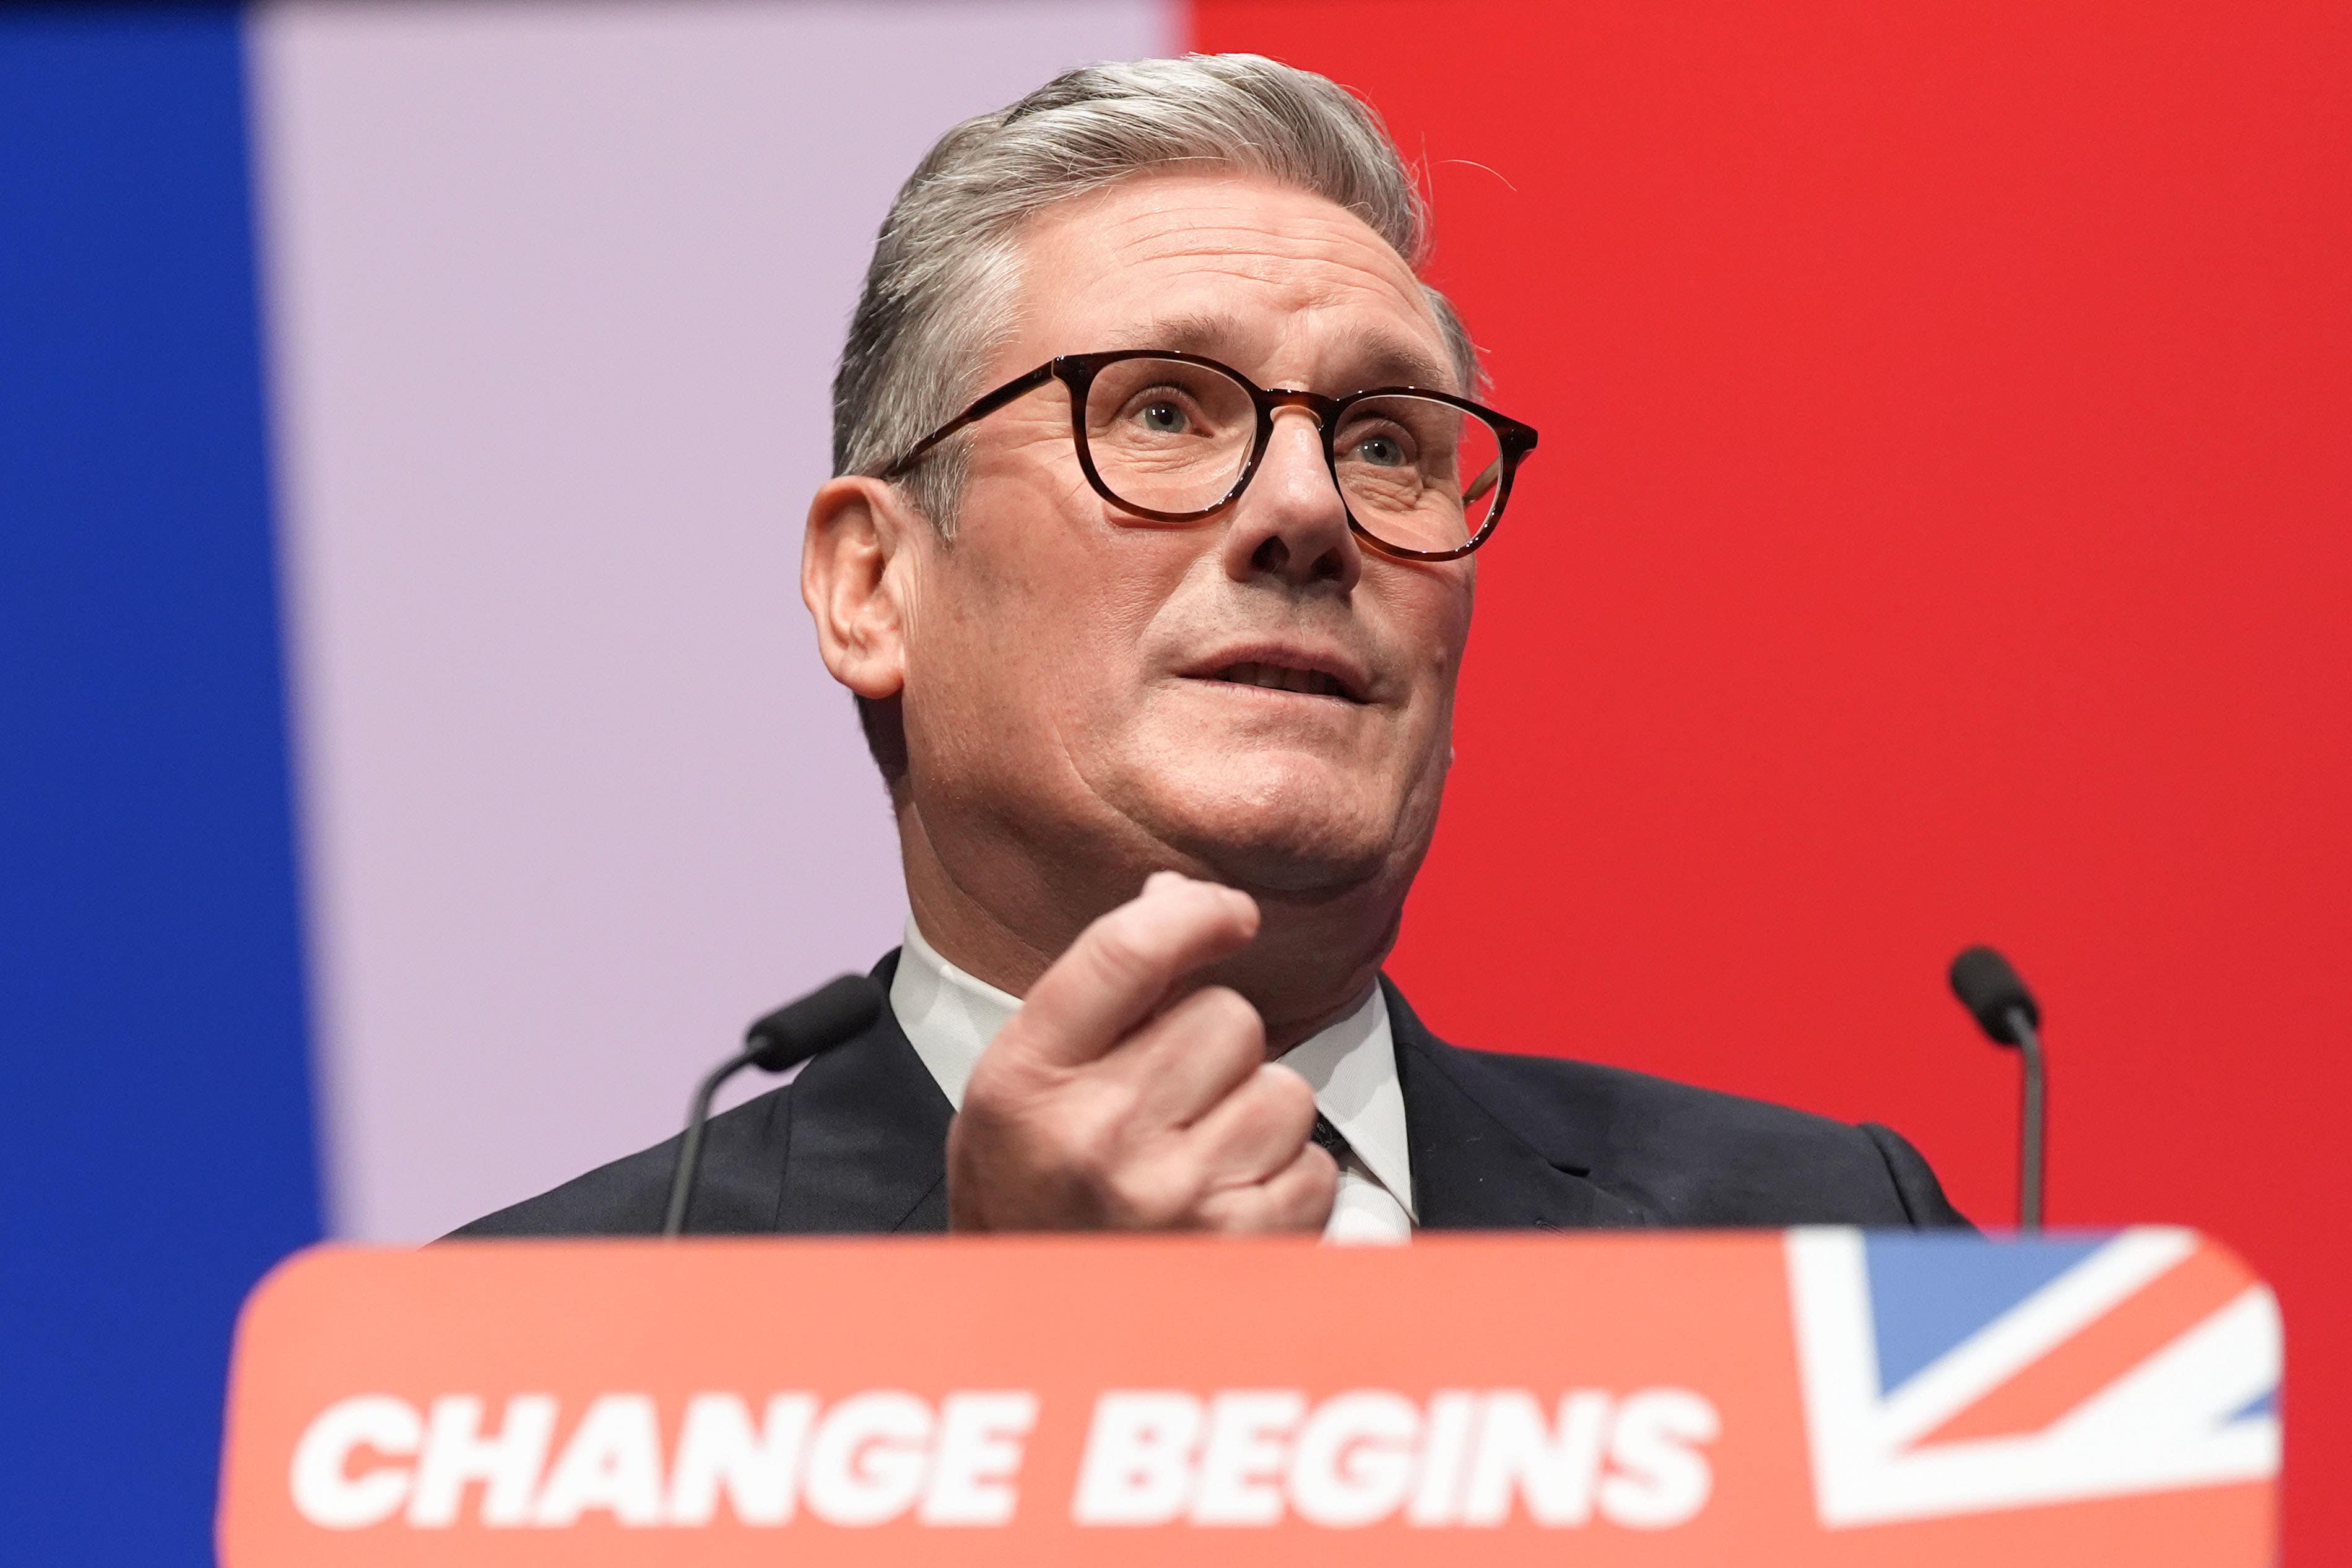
[(1149, 563)]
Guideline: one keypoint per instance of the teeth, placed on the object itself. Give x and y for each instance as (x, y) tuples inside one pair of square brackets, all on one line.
[(1281, 678)]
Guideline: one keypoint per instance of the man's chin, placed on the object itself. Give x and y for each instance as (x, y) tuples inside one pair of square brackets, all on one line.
[(1292, 840)]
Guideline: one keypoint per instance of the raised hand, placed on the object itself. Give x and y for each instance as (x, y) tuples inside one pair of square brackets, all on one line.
[(1101, 1107)]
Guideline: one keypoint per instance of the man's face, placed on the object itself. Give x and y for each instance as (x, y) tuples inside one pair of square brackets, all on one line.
[(1085, 681)]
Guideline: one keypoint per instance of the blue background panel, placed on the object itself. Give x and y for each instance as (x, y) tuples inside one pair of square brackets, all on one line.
[(160, 1154)]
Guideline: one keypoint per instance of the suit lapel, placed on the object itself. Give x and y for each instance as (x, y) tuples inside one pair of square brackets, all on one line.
[(867, 1148), (1470, 1171)]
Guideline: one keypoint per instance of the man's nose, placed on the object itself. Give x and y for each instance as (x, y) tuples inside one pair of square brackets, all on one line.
[(1291, 523)]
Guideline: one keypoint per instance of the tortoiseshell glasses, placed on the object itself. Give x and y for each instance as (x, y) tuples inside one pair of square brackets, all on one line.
[(1176, 437)]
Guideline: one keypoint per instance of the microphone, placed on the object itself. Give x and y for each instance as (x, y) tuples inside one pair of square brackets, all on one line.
[(1997, 999), (824, 1019)]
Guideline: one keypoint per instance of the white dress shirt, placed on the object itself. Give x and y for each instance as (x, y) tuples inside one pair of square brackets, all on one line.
[(949, 1017)]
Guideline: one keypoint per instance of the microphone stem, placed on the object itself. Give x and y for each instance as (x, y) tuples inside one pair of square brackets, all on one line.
[(2031, 1123), (689, 1148)]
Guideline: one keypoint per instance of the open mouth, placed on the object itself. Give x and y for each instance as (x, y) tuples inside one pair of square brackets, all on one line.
[(1288, 678)]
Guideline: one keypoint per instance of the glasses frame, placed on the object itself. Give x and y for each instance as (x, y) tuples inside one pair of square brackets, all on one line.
[(1077, 372)]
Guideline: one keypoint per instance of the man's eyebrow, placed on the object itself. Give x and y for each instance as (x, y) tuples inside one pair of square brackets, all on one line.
[(1194, 332), (1383, 361), (1389, 362)]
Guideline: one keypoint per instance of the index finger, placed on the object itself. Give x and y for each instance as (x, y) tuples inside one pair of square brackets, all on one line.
[(1119, 968)]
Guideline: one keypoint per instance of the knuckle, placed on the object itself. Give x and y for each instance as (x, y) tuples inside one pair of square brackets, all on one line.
[(985, 1090), (1120, 949), (1228, 1013), (1087, 1150), (1230, 1212), (1285, 1095), (1074, 1128), (1005, 1091), (1010, 1069), (1098, 1102), (1220, 1025), (1304, 1198), (1147, 1198)]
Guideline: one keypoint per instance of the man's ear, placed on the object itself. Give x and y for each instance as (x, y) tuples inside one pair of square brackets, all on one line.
[(857, 568)]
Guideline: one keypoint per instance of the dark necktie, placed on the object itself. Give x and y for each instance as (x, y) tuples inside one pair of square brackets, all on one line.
[(1333, 1140)]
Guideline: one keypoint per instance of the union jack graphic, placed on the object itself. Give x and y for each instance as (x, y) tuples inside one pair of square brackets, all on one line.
[(1947, 1377)]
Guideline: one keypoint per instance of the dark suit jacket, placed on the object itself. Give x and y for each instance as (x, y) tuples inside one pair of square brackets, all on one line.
[(857, 1144)]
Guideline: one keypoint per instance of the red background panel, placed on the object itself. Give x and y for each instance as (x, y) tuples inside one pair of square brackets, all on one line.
[(1942, 533)]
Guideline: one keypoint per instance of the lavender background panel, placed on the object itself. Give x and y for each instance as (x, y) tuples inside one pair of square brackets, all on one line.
[(554, 295)]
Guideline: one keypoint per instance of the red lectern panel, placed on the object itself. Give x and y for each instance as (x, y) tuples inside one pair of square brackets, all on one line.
[(1813, 1397)]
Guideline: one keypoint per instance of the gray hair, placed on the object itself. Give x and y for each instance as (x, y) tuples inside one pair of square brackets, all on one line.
[(938, 298)]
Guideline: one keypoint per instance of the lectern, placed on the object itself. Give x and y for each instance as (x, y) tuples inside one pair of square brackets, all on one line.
[(1813, 1397)]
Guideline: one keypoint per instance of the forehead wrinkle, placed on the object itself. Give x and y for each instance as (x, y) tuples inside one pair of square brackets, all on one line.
[(1310, 235), (1377, 357), (1271, 256), (1381, 355), (1312, 229), (1307, 287)]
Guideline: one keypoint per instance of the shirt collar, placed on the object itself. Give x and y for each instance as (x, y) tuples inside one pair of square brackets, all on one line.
[(950, 1016)]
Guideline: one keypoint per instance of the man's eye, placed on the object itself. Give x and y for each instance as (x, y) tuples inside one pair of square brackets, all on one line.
[(1165, 417), (1381, 450)]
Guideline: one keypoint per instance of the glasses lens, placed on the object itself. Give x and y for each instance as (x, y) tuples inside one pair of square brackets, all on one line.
[(1169, 436), (1418, 474)]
